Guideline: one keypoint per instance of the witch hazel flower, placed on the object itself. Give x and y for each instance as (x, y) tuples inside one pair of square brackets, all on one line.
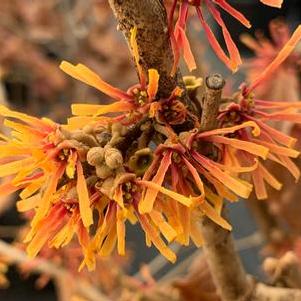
[(133, 103), (247, 108), (180, 41), (121, 204), (284, 84)]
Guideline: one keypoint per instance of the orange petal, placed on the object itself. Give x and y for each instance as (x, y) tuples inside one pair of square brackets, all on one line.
[(240, 187), (134, 45), (33, 121), (279, 150), (247, 146), (229, 130), (153, 84), (14, 167), (155, 238), (214, 216), (83, 197), (259, 186), (120, 231), (273, 3), (95, 110), (215, 44), (147, 202), (280, 58), (168, 232), (233, 12), (84, 74), (231, 47), (176, 196)]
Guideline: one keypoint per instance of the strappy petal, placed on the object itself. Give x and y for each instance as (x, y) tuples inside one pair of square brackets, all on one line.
[(84, 74)]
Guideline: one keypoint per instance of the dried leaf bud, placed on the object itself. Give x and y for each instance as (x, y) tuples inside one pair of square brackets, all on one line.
[(113, 157), (140, 161), (103, 171), (95, 156), (84, 138)]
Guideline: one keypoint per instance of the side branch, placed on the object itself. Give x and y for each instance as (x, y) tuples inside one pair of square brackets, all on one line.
[(226, 268)]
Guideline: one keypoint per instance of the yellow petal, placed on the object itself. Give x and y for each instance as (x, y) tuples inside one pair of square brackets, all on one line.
[(135, 50), (153, 83), (83, 197), (176, 196), (14, 167), (84, 74), (120, 232)]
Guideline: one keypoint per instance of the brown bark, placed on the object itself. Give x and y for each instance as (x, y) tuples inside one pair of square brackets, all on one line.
[(150, 18), (226, 268)]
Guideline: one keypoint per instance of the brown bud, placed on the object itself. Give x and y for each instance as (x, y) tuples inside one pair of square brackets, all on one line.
[(140, 161), (95, 156), (103, 138), (113, 157), (103, 171), (84, 138)]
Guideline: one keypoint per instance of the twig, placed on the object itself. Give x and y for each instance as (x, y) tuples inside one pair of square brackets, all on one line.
[(81, 287), (213, 92), (244, 243), (225, 265)]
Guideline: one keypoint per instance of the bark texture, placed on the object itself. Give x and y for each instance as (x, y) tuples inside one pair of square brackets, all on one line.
[(150, 18)]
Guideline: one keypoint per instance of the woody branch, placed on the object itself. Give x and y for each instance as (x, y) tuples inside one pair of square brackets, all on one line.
[(229, 276)]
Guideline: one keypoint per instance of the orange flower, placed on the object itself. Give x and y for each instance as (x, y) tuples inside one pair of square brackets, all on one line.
[(180, 41), (122, 204), (135, 101), (283, 84), (40, 155)]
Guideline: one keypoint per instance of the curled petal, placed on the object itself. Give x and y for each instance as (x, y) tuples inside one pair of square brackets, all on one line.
[(240, 187), (84, 74), (230, 130), (153, 83), (280, 58)]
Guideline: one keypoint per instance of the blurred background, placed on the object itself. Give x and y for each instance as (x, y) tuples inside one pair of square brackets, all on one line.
[(35, 36)]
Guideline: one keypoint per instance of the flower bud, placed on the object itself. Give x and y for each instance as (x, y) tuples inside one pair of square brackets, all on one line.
[(103, 171), (95, 156), (84, 138), (113, 157), (103, 138)]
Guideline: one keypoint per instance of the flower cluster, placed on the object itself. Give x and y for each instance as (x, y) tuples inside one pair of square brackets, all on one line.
[(180, 41), (88, 178)]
